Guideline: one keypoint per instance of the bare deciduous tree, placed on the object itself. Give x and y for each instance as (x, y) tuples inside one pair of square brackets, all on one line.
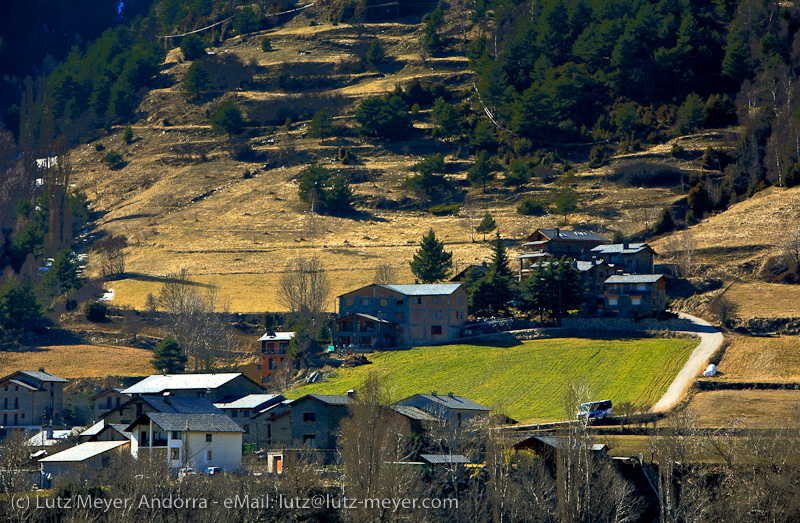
[(110, 253), (304, 288), (385, 274)]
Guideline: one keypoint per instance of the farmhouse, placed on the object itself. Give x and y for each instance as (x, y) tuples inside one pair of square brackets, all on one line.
[(31, 398), (546, 244), (633, 258), (212, 387), (314, 420), (93, 455), (273, 425), (449, 408), (396, 315), (274, 346), (198, 441), (635, 294), (243, 410)]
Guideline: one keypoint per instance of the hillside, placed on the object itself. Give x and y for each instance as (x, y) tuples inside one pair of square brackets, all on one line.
[(183, 200), (526, 381)]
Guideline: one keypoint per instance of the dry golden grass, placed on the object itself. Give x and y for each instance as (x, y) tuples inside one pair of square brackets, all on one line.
[(765, 300), (79, 361), (245, 231), (761, 359), (746, 408)]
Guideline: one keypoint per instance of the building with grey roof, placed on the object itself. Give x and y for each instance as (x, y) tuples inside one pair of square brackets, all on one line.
[(632, 295), (315, 418), (129, 411), (449, 408), (379, 316), (212, 387), (197, 441), (31, 399), (243, 410), (635, 258), (93, 455), (546, 244)]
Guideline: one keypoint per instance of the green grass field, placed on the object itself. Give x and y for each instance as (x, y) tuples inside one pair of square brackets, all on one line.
[(526, 381)]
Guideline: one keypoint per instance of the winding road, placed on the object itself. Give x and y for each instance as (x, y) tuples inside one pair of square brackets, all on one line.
[(710, 340)]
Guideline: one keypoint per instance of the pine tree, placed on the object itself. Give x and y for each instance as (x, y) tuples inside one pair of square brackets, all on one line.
[(493, 292), (227, 119), (482, 171), (192, 47), (566, 202), (431, 262), (665, 224), (127, 134), (197, 81), (487, 225), (63, 274), (168, 357), (375, 54), (338, 197)]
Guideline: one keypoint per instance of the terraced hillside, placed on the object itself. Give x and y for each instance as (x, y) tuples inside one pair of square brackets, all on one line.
[(183, 200)]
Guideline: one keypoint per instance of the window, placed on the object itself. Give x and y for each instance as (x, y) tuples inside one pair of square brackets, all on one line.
[(308, 439), (235, 413), (208, 438), (641, 286), (384, 302), (613, 301), (436, 315), (349, 302), (436, 299), (5, 403), (16, 403), (175, 454), (309, 416), (208, 455), (271, 365), (398, 316), (269, 430), (246, 414), (364, 302), (436, 329), (416, 301), (636, 301), (400, 302), (176, 434), (246, 429)]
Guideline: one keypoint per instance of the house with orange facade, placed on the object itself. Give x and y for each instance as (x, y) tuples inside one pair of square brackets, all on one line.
[(274, 346), (378, 316)]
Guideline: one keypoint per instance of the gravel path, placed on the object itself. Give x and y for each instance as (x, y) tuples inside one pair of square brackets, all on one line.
[(710, 340)]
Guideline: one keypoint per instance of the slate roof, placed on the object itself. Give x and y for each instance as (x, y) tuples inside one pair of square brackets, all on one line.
[(634, 278), (435, 459), (328, 399), (412, 412), (453, 402), (84, 451), (42, 376), (162, 382), (23, 384), (192, 422), (619, 248), (573, 235), (40, 439), (181, 405), (251, 401), (276, 336), (101, 425), (104, 392), (425, 289)]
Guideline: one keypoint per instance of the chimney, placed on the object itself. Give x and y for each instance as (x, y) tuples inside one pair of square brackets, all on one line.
[(351, 393), (625, 243), (41, 369), (167, 398), (557, 232), (416, 281), (50, 432), (450, 394), (433, 393)]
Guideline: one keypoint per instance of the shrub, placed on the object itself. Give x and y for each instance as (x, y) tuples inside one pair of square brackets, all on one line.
[(645, 174), (114, 160), (598, 156), (348, 157), (375, 54), (96, 312), (227, 119), (266, 44), (444, 209), (99, 146), (531, 207), (127, 134), (676, 150)]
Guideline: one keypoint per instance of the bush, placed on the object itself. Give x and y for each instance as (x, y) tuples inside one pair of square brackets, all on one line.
[(598, 156), (227, 119), (375, 53), (531, 207), (348, 157), (99, 146), (127, 134), (676, 150), (114, 160), (266, 44), (444, 209), (96, 312)]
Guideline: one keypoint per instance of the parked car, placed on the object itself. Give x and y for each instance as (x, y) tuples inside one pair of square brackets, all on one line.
[(595, 410)]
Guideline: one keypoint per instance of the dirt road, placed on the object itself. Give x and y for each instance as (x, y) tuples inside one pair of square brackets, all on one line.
[(710, 340)]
